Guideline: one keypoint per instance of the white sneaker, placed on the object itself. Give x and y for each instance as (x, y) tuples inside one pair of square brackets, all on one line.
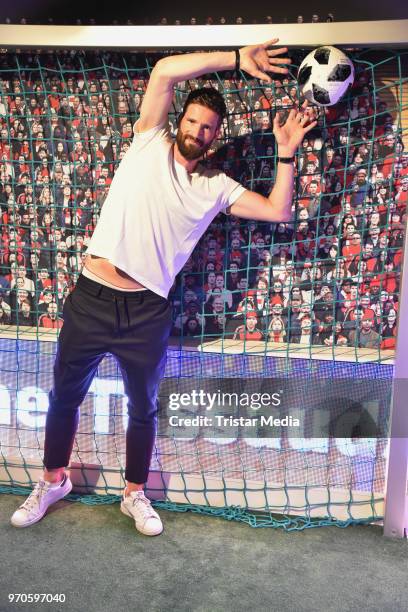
[(137, 506), (36, 505)]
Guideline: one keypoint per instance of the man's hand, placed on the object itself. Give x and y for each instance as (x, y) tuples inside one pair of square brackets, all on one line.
[(257, 60), (289, 135), (276, 208)]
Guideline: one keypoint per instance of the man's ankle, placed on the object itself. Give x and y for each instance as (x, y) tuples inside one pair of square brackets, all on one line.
[(54, 477), (131, 488)]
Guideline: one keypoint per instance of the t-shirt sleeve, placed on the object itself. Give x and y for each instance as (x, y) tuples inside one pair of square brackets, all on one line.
[(230, 192), (156, 133)]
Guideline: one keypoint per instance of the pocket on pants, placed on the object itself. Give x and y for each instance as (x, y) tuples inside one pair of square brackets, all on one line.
[(79, 302)]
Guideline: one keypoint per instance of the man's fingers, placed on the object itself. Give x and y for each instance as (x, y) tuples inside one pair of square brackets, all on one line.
[(308, 115), (279, 69), (274, 52), (269, 43), (262, 76), (310, 127), (279, 60), (303, 116)]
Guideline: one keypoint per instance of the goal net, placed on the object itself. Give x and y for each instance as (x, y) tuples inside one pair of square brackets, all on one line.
[(305, 309)]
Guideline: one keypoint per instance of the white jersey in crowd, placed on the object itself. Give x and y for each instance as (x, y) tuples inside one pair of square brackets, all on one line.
[(156, 211)]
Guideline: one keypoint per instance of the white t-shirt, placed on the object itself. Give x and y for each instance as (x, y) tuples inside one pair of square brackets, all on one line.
[(156, 211)]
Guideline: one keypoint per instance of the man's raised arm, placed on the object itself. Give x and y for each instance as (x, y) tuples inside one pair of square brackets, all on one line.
[(278, 206), (256, 60)]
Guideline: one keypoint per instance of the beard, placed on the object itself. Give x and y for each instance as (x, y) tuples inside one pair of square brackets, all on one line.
[(189, 147)]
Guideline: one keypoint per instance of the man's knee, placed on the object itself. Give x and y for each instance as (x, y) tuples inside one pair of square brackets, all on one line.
[(63, 403), (143, 413)]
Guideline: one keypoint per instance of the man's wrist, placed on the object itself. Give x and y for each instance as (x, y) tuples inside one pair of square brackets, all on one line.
[(286, 160), (286, 152)]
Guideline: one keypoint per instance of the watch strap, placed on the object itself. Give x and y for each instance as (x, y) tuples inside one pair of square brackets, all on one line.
[(286, 160), (237, 62)]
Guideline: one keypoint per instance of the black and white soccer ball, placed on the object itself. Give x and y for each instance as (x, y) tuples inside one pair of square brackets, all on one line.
[(325, 75)]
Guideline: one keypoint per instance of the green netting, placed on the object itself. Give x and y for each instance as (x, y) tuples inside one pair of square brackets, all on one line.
[(255, 299)]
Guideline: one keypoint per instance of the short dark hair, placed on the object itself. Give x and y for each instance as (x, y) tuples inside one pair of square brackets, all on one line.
[(208, 97)]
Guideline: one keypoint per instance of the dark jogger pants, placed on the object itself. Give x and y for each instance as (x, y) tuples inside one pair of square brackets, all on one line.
[(134, 327)]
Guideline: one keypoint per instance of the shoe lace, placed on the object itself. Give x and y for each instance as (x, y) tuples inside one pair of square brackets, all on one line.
[(144, 506), (35, 496)]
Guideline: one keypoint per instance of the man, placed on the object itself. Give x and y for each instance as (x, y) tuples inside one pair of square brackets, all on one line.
[(365, 336), (388, 154), (294, 318), (28, 284), (361, 188), (149, 225), (191, 311), (220, 289), (215, 317), (311, 200), (233, 278), (190, 282), (266, 99), (324, 304), (51, 320), (240, 294), (249, 331)]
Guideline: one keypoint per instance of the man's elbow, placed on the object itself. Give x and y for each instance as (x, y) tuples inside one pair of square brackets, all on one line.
[(161, 63), (162, 68), (284, 217), (278, 212), (280, 216)]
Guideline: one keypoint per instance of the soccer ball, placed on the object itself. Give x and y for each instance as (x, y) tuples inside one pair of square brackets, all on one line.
[(325, 75)]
